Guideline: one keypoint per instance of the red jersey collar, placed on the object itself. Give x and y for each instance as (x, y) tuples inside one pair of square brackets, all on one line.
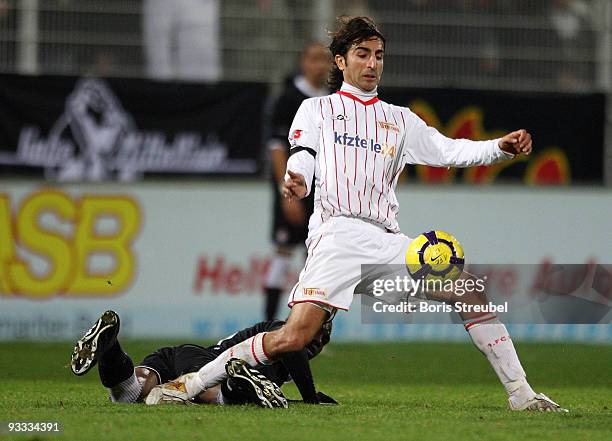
[(353, 97)]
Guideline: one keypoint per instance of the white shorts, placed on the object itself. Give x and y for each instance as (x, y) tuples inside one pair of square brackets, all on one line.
[(336, 251)]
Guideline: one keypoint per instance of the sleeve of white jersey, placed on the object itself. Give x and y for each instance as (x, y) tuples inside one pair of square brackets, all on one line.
[(304, 142), (424, 145)]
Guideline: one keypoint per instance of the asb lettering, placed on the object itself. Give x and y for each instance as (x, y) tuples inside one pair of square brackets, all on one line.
[(53, 244)]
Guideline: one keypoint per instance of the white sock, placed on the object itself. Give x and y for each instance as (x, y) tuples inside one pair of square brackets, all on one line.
[(277, 272), (127, 391), (492, 339), (213, 373)]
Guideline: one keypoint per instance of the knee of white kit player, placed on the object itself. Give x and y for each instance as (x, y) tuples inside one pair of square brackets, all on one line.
[(291, 340)]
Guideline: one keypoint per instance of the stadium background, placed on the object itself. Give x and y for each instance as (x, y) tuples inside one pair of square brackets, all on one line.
[(178, 243)]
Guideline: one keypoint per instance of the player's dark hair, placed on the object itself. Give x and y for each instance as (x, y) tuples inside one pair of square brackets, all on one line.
[(350, 31)]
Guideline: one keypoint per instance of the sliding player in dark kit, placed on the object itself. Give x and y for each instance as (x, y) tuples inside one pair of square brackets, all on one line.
[(129, 384)]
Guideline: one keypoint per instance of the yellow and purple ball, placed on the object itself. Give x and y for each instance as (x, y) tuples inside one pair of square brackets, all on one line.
[(435, 255)]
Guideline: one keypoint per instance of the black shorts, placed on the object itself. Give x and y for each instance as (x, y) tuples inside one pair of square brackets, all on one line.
[(284, 233), (171, 362)]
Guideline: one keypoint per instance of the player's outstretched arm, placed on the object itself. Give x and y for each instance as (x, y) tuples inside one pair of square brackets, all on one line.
[(427, 146)]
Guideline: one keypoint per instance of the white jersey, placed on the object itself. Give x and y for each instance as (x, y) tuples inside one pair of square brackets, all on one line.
[(357, 146)]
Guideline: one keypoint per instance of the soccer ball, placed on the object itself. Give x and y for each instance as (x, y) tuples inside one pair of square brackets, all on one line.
[(435, 255)]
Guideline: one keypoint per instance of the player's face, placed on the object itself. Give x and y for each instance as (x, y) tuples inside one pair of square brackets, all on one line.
[(363, 64), (316, 63)]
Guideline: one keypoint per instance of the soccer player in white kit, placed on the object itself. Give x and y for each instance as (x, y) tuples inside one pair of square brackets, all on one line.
[(356, 145)]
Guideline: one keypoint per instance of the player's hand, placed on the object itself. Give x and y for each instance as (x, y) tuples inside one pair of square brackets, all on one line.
[(516, 143), (294, 212), (294, 187)]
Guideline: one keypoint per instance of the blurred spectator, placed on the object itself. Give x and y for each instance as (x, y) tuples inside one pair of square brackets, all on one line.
[(489, 61), (569, 18), (4, 9), (571, 21), (103, 64), (181, 39)]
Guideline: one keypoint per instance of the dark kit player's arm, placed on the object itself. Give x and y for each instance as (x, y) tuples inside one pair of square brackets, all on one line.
[(278, 159), (246, 333), (298, 367)]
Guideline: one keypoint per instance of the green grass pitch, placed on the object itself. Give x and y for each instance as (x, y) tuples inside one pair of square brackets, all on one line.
[(387, 391)]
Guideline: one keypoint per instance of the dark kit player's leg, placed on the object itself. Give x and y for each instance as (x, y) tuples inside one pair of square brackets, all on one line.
[(276, 276), (273, 296), (99, 338), (100, 346)]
